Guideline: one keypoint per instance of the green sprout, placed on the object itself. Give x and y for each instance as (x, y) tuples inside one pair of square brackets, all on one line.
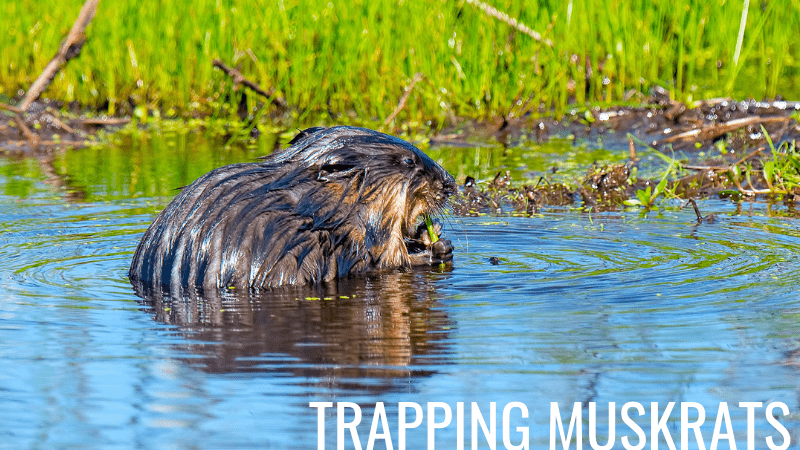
[(431, 230), (647, 197)]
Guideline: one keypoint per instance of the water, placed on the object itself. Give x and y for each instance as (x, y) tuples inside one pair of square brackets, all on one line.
[(611, 307)]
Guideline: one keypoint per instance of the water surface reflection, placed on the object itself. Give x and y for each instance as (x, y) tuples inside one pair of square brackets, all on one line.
[(580, 307), (386, 326)]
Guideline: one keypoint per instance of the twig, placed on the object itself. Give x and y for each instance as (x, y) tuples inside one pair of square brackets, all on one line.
[(13, 109), (632, 149), (750, 155), (714, 168), (238, 78), (61, 124), (70, 48), (402, 103), (721, 168), (514, 23), (696, 209), (32, 138), (98, 121), (700, 218), (715, 130)]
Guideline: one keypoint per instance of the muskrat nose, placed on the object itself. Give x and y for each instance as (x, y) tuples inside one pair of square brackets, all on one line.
[(444, 189), (449, 188)]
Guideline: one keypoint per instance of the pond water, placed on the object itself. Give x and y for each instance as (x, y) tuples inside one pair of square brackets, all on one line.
[(582, 307)]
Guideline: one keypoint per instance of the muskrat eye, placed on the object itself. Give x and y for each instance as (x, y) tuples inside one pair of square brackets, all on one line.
[(409, 162)]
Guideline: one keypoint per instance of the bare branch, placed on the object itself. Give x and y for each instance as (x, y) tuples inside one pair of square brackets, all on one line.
[(70, 48), (238, 78), (402, 103)]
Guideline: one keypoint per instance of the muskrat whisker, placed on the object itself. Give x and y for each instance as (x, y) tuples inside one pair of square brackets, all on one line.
[(455, 226)]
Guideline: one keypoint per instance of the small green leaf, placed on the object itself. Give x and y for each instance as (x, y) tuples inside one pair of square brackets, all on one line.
[(660, 188), (644, 196), (769, 170)]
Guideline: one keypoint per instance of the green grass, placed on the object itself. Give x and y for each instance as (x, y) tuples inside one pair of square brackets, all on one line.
[(353, 59)]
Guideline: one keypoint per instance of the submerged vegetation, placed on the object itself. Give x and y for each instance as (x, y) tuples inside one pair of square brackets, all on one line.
[(352, 61)]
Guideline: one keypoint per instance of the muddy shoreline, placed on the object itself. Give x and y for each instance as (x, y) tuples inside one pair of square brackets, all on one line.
[(719, 148), (46, 126)]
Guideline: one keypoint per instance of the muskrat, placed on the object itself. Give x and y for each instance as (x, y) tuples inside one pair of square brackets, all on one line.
[(337, 201)]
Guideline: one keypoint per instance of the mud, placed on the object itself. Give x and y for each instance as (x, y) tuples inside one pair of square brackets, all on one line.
[(719, 144), (47, 126)]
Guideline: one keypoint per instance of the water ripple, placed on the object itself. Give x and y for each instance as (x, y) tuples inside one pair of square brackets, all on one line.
[(612, 259), (608, 307), (54, 251)]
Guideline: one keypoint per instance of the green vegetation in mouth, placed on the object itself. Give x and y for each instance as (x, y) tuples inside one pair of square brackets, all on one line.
[(431, 230)]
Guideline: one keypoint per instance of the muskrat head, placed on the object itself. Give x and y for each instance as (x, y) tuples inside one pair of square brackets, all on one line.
[(389, 186)]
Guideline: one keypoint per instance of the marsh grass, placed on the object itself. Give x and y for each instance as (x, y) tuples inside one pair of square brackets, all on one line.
[(782, 172), (351, 61)]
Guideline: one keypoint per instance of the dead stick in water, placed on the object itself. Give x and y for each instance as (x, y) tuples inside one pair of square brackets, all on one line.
[(59, 124), (632, 149), (696, 209), (108, 121), (402, 103), (70, 48), (238, 78), (750, 155)]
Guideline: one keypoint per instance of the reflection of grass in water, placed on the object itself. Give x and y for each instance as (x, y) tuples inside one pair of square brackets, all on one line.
[(357, 57), (150, 165), (155, 164), (17, 176)]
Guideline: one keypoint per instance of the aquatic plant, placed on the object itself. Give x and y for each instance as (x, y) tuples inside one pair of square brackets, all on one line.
[(782, 172)]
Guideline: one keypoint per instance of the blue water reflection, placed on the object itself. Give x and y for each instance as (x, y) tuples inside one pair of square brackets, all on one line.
[(582, 308)]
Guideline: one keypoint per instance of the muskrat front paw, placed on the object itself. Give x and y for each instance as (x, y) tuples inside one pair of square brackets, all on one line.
[(441, 251)]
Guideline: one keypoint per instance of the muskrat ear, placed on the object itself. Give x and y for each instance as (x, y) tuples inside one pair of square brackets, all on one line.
[(304, 133)]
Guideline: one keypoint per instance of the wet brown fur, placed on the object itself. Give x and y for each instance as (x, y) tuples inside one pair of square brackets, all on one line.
[(338, 201)]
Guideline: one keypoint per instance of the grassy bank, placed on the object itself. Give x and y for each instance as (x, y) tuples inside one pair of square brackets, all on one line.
[(357, 57)]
